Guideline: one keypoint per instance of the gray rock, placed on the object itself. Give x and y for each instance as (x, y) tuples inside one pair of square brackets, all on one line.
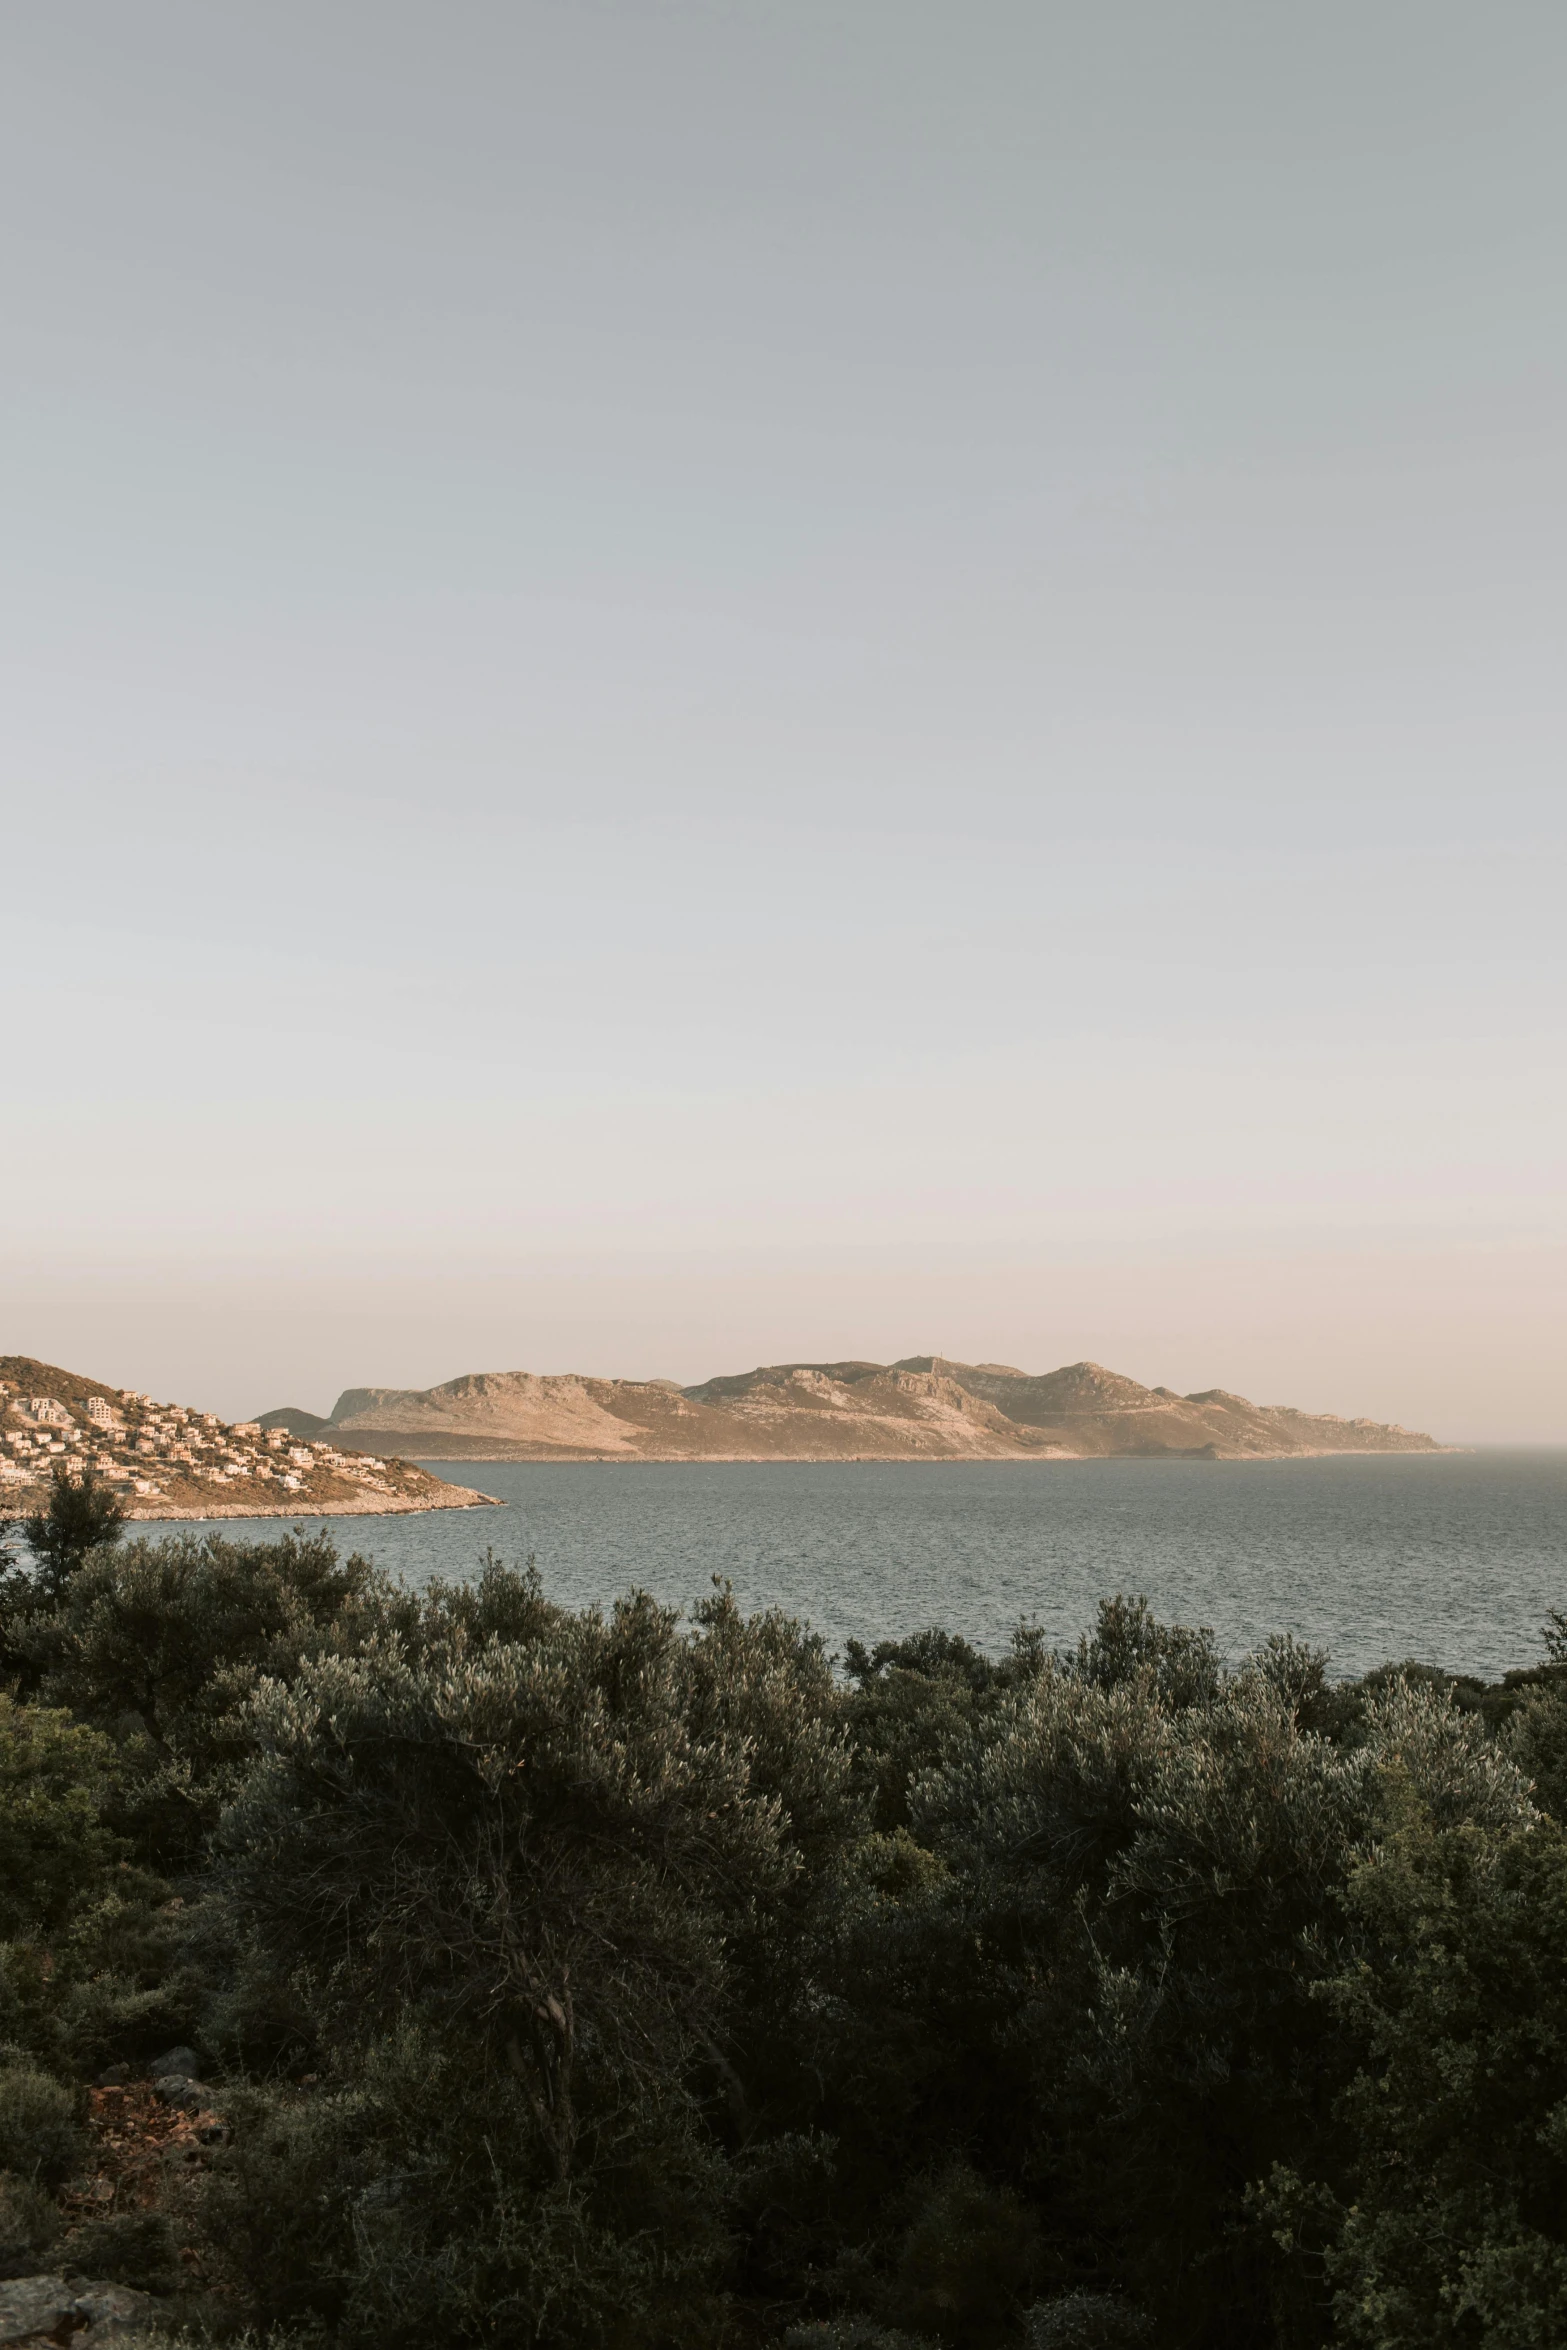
[(34, 2305), (176, 2060), (103, 2304), (178, 2089), (99, 2316)]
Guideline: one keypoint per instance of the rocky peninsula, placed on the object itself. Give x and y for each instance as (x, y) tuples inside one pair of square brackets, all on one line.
[(168, 1460)]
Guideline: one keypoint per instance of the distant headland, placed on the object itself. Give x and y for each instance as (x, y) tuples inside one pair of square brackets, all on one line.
[(167, 1460), (922, 1408)]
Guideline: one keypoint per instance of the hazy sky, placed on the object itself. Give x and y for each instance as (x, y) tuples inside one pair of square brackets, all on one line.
[(711, 681)]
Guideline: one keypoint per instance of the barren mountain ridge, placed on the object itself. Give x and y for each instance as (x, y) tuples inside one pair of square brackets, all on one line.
[(922, 1408)]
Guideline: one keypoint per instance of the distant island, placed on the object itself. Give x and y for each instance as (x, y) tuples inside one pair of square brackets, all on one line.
[(922, 1408), (167, 1460)]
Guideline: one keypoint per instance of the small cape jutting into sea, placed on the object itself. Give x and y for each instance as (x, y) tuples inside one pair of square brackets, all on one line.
[(165, 1460)]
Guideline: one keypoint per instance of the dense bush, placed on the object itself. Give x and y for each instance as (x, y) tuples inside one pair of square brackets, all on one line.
[(40, 2142), (29, 2226), (616, 1980), (162, 1644), (54, 1844), (81, 1515)]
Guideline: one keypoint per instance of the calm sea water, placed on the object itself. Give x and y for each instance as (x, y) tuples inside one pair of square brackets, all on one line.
[(1453, 1559)]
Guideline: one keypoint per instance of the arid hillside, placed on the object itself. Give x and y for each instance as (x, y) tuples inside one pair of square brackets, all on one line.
[(167, 1460), (923, 1408)]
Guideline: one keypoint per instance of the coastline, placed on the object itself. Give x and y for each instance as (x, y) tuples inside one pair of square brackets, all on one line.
[(387, 1505), (152, 1511), (932, 1460)]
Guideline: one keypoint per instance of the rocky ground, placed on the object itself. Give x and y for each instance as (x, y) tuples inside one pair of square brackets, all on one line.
[(149, 2139), (88, 2311)]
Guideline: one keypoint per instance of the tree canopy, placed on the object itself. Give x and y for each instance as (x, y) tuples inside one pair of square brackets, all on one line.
[(618, 1978)]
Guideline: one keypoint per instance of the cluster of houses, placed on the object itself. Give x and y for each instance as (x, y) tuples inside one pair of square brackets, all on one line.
[(146, 1447)]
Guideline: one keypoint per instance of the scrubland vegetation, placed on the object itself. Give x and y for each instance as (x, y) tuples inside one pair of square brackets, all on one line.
[(617, 1981)]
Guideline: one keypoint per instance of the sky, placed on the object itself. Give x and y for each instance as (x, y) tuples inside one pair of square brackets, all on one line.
[(712, 681)]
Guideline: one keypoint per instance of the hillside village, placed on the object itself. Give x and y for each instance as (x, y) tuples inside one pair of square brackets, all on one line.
[(167, 1460)]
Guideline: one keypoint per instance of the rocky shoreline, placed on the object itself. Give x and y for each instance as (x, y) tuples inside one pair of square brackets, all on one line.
[(907, 1460), (387, 1505)]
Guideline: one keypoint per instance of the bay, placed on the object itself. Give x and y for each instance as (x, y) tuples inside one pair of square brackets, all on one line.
[(1452, 1558)]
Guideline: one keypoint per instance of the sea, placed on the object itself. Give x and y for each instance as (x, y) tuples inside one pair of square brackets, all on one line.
[(1452, 1558)]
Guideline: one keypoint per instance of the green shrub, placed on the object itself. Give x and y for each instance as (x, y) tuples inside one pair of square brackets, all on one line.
[(1446, 2221), (965, 2263), (160, 1645), (415, 2202), (29, 2226), (1538, 1738), (1085, 2321), (40, 2140), (513, 1895), (54, 1846), (82, 1515), (126, 1982), (134, 2248), (613, 1982)]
